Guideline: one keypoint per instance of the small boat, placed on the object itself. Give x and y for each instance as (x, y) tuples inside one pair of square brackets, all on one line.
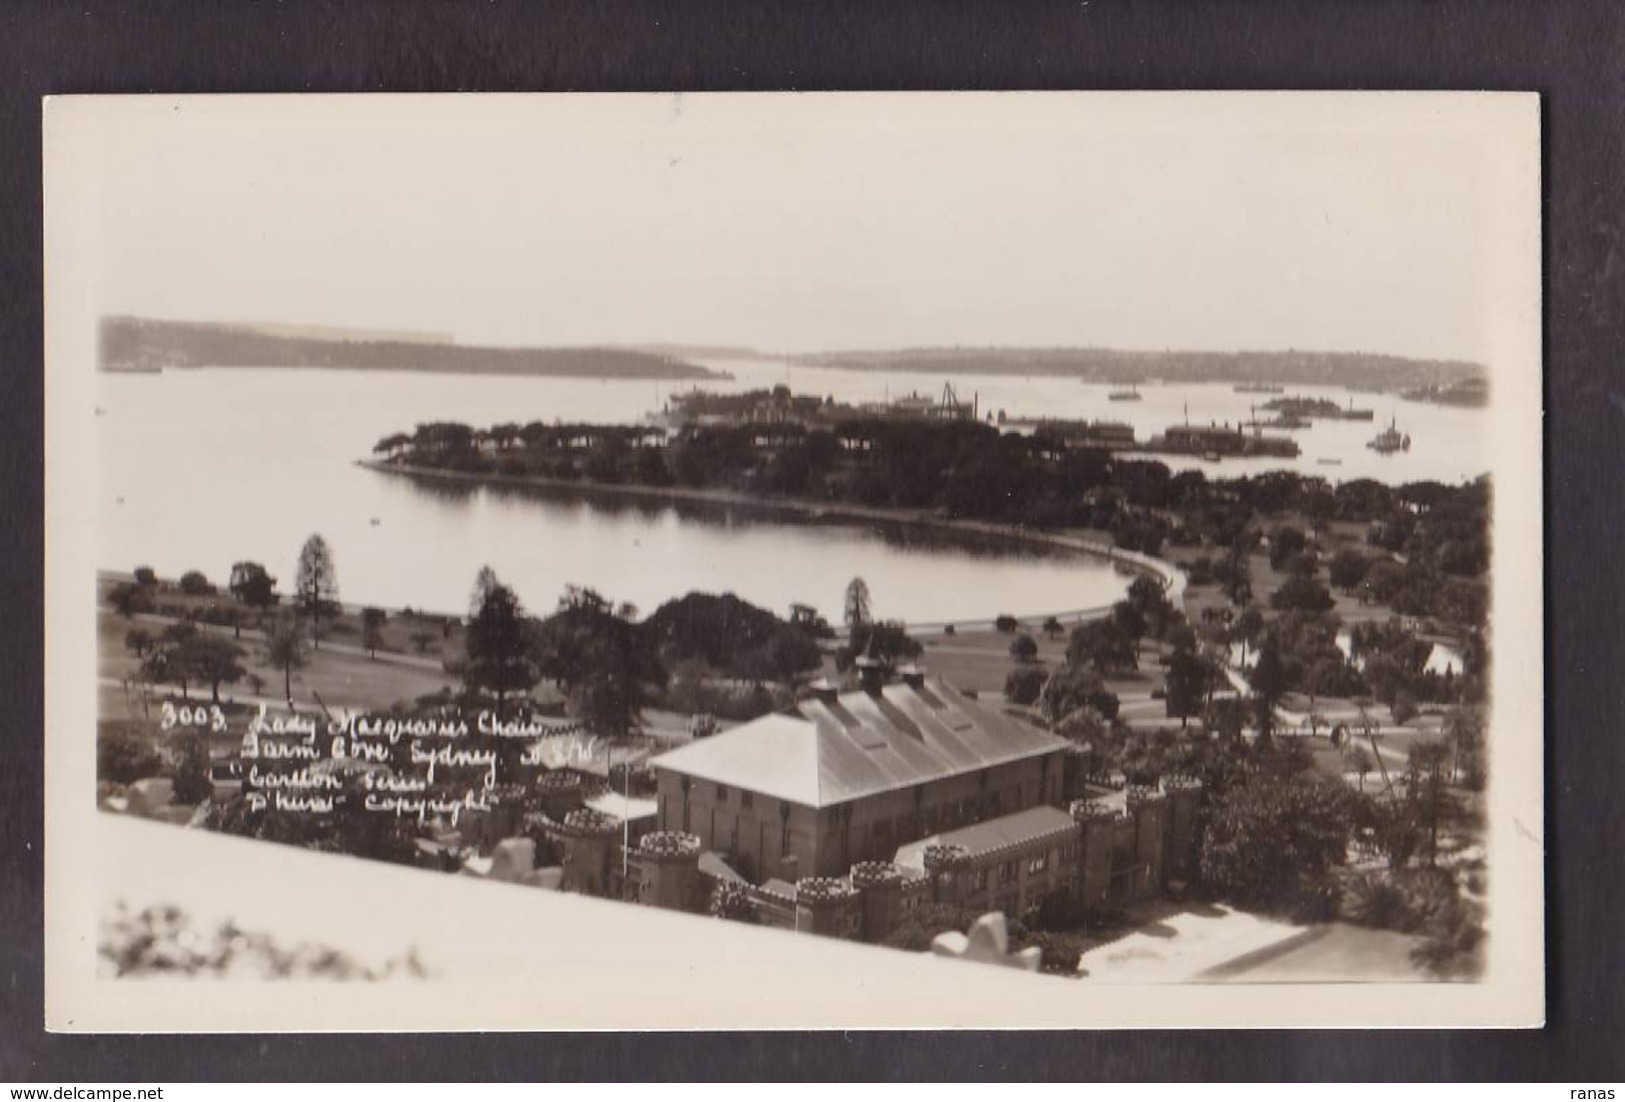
[(1328, 462), (374, 522), (1132, 394), (1258, 388)]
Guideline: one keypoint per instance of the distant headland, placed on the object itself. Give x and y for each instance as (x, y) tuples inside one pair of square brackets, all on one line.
[(149, 345), (1355, 370)]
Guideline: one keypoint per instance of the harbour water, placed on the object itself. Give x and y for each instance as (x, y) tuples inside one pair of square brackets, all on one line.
[(202, 468)]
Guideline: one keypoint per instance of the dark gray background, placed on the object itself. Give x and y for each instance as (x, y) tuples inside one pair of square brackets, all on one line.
[(1571, 52)]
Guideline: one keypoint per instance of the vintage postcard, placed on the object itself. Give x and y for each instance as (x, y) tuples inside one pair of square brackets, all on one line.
[(760, 561)]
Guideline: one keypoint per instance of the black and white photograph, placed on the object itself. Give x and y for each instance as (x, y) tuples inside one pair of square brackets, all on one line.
[(793, 560)]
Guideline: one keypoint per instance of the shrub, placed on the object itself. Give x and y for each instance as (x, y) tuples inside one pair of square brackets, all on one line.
[(123, 756), (918, 928), (1199, 572), (1059, 952), (189, 758), (1005, 623), (1023, 648)]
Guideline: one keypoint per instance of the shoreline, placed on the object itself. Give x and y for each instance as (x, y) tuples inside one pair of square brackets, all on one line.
[(694, 373), (1170, 576)]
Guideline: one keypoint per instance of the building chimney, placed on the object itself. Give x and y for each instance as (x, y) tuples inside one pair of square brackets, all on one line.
[(871, 675), (824, 691)]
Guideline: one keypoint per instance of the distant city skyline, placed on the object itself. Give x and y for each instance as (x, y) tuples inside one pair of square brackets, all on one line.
[(798, 224)]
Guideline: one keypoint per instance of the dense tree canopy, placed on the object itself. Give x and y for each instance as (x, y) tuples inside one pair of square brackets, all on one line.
[(732, 637), (1271, 841)]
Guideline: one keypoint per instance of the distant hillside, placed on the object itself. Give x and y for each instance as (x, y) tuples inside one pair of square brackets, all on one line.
[(702, 351), (1360, 370), (139, 344)]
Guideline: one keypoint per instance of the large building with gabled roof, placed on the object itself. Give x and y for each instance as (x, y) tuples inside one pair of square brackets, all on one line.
[(854, 776)]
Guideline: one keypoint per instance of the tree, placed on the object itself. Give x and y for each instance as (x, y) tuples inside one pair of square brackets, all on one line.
[(735, 637), (285, 649), (497, 647), (1023, 648), (1347, 569), (484, 582), (1425, 785), (1302, 593), (214, 661), (886, 641), (194, 584), (1361, 763), (1022, 685), (856, 611), (171, 659), (1234, 576), (1464, 727), (251, 585), (144, 577), (1072, 688), (1128, 618), (1053, 628), (130, 600), (1286, 542), (372, 629), (1187, 684), (1104, 645), (1268, 683), (1271, 841), (317, 585), (1150, 600), (610, 667)]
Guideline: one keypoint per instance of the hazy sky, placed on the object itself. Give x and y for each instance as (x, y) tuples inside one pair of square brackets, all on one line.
[(809, 222)]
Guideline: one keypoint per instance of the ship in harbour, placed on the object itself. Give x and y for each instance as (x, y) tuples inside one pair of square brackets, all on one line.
[(1390, 440), (1325, 408), (1132, 394), (1214, 442), (1259, 388)]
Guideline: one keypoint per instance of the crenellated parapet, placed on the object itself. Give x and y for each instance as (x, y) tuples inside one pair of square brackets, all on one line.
[(945, 858), (1094, 810), (585, 822), (668, 867), (586, 838), (1137, 794), (828, 905), (670, 845), (880, 883), (825, 890), (557, 792), (876, 874)]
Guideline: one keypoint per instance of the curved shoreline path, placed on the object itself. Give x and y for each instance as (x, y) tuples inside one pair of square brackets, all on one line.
[(1170, 576)]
